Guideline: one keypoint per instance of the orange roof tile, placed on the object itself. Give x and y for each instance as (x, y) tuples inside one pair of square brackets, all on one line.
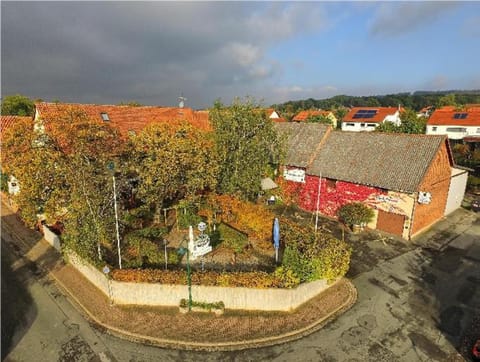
[(8, 121), (128, 118), (378, 117), (304, 115), (445, 116)]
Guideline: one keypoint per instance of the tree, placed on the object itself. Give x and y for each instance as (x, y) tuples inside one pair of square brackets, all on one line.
[(245, 142), (17, 105), (130, 103), (172, 162), (388, 127), (410, 124), (355, 213), (447, 100), (65, 177), (319, 119), (33, 167)]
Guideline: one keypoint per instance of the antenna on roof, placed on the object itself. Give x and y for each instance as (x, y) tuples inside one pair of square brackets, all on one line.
[(182, 100)]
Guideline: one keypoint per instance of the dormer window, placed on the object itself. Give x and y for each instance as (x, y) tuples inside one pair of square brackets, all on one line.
[(105, 117)]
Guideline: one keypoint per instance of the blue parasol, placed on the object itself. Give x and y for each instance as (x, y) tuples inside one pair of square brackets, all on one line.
[(276, 237)]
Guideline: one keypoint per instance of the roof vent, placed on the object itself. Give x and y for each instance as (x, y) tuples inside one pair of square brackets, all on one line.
[(181, 103), (105, 117)]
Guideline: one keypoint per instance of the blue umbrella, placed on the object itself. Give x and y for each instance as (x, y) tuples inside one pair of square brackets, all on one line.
[(276, 237)]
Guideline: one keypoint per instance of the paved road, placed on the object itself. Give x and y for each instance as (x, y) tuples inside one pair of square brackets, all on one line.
[(415, 306), (38, 323)]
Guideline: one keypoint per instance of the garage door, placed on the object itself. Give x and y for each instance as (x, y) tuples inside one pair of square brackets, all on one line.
[(390, 223)]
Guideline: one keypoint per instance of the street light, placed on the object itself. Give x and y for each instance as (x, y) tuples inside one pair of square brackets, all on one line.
[(111, 167), (182, 251)]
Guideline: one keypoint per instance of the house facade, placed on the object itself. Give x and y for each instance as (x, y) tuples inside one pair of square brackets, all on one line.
[(456, 124), (407, 180), (366, 119)]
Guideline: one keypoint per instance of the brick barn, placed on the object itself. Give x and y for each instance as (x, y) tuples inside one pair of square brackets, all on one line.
[(404, 178)]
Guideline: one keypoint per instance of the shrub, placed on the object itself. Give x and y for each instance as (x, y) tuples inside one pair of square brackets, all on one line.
[(152, 232), (255, 220), (473, 181), (210, 278), (355, 213), (309, 256), (139, 251), (231, 238), (4, 182), (188, 216)]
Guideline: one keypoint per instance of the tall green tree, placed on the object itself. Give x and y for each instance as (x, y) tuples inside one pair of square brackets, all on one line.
[(245, 142), (17, 105), (410, 124), (447, 100)]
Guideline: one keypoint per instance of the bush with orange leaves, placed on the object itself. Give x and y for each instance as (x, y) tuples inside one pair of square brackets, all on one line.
[(253, 219)]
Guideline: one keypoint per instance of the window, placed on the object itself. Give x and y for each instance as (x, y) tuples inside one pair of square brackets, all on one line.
[(362, 124), (434, 129), (350, 124), (371, 125), (105, 117), (456, 129), (331, 184)]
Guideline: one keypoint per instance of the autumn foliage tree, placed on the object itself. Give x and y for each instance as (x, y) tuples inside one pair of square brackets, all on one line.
[(172, 161), (61, 168), (32, 166)]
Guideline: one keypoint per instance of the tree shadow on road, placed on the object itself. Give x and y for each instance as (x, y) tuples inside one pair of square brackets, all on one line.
[(448, 286), (18, 308)]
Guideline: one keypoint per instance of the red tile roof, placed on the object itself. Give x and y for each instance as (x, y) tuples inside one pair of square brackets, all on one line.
[(8, 121), (379, 117), (304, 115), (445, 116), (128, 118)]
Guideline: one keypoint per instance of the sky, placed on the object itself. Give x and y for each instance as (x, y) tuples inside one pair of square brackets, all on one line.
[(153, 52)]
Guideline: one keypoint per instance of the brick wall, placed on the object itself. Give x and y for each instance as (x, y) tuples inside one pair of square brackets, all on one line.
[(437, 182)]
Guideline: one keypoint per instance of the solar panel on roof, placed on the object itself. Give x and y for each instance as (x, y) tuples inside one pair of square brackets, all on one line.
[(364, 113), (460, 115)]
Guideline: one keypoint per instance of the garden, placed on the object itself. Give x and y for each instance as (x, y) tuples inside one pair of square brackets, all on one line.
[(129, 202)]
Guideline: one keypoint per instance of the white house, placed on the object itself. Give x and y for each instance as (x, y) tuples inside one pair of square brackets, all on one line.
[(456, 123), (361, 119)]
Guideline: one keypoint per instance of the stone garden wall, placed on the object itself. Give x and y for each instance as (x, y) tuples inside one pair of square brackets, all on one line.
[(153, 294)]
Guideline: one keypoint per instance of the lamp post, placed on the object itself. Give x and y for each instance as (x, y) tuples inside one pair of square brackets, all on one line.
[(111, 167), (181, 251)]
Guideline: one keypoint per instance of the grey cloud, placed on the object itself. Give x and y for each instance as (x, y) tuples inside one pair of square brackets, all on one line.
[(393, 19), (105, 52)]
